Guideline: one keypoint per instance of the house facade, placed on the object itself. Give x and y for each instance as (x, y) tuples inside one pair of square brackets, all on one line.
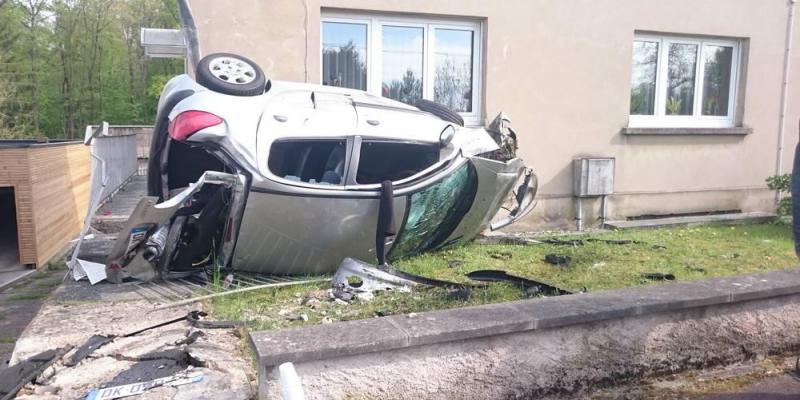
[(698, 102)]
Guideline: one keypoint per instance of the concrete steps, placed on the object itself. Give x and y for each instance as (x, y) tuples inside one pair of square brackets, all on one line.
[(721, 219), (111, 218)]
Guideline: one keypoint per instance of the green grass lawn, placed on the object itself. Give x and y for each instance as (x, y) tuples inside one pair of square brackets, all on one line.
[(688, 253)]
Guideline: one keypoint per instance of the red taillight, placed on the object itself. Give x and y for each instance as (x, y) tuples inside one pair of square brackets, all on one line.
[(189, 122)]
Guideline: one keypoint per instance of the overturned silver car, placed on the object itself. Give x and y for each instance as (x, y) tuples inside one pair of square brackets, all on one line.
[(274, 177)]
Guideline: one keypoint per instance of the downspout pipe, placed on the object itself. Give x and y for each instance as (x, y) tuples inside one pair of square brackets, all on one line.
[(787, 60)]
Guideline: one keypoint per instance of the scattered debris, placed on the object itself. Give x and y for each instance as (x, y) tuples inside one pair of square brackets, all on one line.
[(299, 317), (622, 242), (600, 264), (556, 259), (513, 240), (226, 284), (13, 378), (165, 323), (657, 276), (341, 293), (155, 365), (194, 318), (530, 287), (191, 338), (371, 279), (455, 263), (561, 242), (692, 268), (501, 255), (95, 342), (383, 277), (133, 389)]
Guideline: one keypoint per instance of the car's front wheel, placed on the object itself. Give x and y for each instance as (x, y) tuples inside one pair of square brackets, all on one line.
[(231, 74)]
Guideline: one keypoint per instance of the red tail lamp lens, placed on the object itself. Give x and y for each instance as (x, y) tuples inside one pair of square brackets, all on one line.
[(188, 123)]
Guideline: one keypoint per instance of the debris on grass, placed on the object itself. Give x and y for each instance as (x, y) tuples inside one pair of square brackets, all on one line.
[(455, 263), (556, 259), (501, 255), (709, 251), (529, 287), (658, 276)]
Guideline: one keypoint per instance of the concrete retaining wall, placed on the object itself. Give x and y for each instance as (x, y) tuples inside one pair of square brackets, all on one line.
[(541, 347)]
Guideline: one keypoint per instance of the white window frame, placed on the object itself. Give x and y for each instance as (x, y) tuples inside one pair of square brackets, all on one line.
[(660, 119), (375, 24)]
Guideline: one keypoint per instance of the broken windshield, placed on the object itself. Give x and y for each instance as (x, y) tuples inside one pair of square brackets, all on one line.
[(433, 213)]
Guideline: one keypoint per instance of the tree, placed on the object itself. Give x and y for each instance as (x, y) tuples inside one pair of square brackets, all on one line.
[(68, 63)]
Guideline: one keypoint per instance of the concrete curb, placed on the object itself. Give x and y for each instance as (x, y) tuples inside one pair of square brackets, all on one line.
[(641, 314), (399, 331), (16, 278)]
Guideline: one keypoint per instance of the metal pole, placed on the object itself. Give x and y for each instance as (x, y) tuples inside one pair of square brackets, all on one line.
[(579, 212), (787, 57), (603, 211)]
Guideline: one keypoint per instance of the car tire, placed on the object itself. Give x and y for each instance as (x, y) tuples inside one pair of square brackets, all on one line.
[(231, 74), (440, 111)]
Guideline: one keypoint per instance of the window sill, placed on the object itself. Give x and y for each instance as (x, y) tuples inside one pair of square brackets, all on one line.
[(731, 131)]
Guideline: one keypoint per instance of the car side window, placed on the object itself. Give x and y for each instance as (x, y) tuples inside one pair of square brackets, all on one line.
[(393, 160), (315, 161)]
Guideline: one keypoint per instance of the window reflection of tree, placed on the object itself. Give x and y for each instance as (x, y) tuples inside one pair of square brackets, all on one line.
[(343, 67), (681, 78), (716, 80), (408, 89), (453, 85), (643, 88)]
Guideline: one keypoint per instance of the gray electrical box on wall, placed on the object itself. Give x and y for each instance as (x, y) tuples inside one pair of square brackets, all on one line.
[(593, 176)]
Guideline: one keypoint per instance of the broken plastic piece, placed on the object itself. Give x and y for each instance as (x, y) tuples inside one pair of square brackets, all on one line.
[(194, 318), (95, 342), (530, 287), (372, 278)]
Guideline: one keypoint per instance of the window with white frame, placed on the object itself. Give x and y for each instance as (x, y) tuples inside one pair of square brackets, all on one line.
[(683, 82), (405, 59)]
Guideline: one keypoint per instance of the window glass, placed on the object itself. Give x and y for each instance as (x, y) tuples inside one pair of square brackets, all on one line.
[(402, 63), (310, 161), (393, 161), (716, 79), (453, 69), (643, 78), (344, 55), (682, 61), (434, 213)]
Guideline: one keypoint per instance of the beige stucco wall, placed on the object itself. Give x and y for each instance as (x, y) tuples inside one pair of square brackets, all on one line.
[(561, 69)]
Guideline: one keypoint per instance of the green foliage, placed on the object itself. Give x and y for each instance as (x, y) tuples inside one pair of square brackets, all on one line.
[(68, 63), (782, 183), (674, 106)]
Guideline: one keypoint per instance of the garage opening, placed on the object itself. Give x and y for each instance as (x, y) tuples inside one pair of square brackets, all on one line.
[(9, 254)]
